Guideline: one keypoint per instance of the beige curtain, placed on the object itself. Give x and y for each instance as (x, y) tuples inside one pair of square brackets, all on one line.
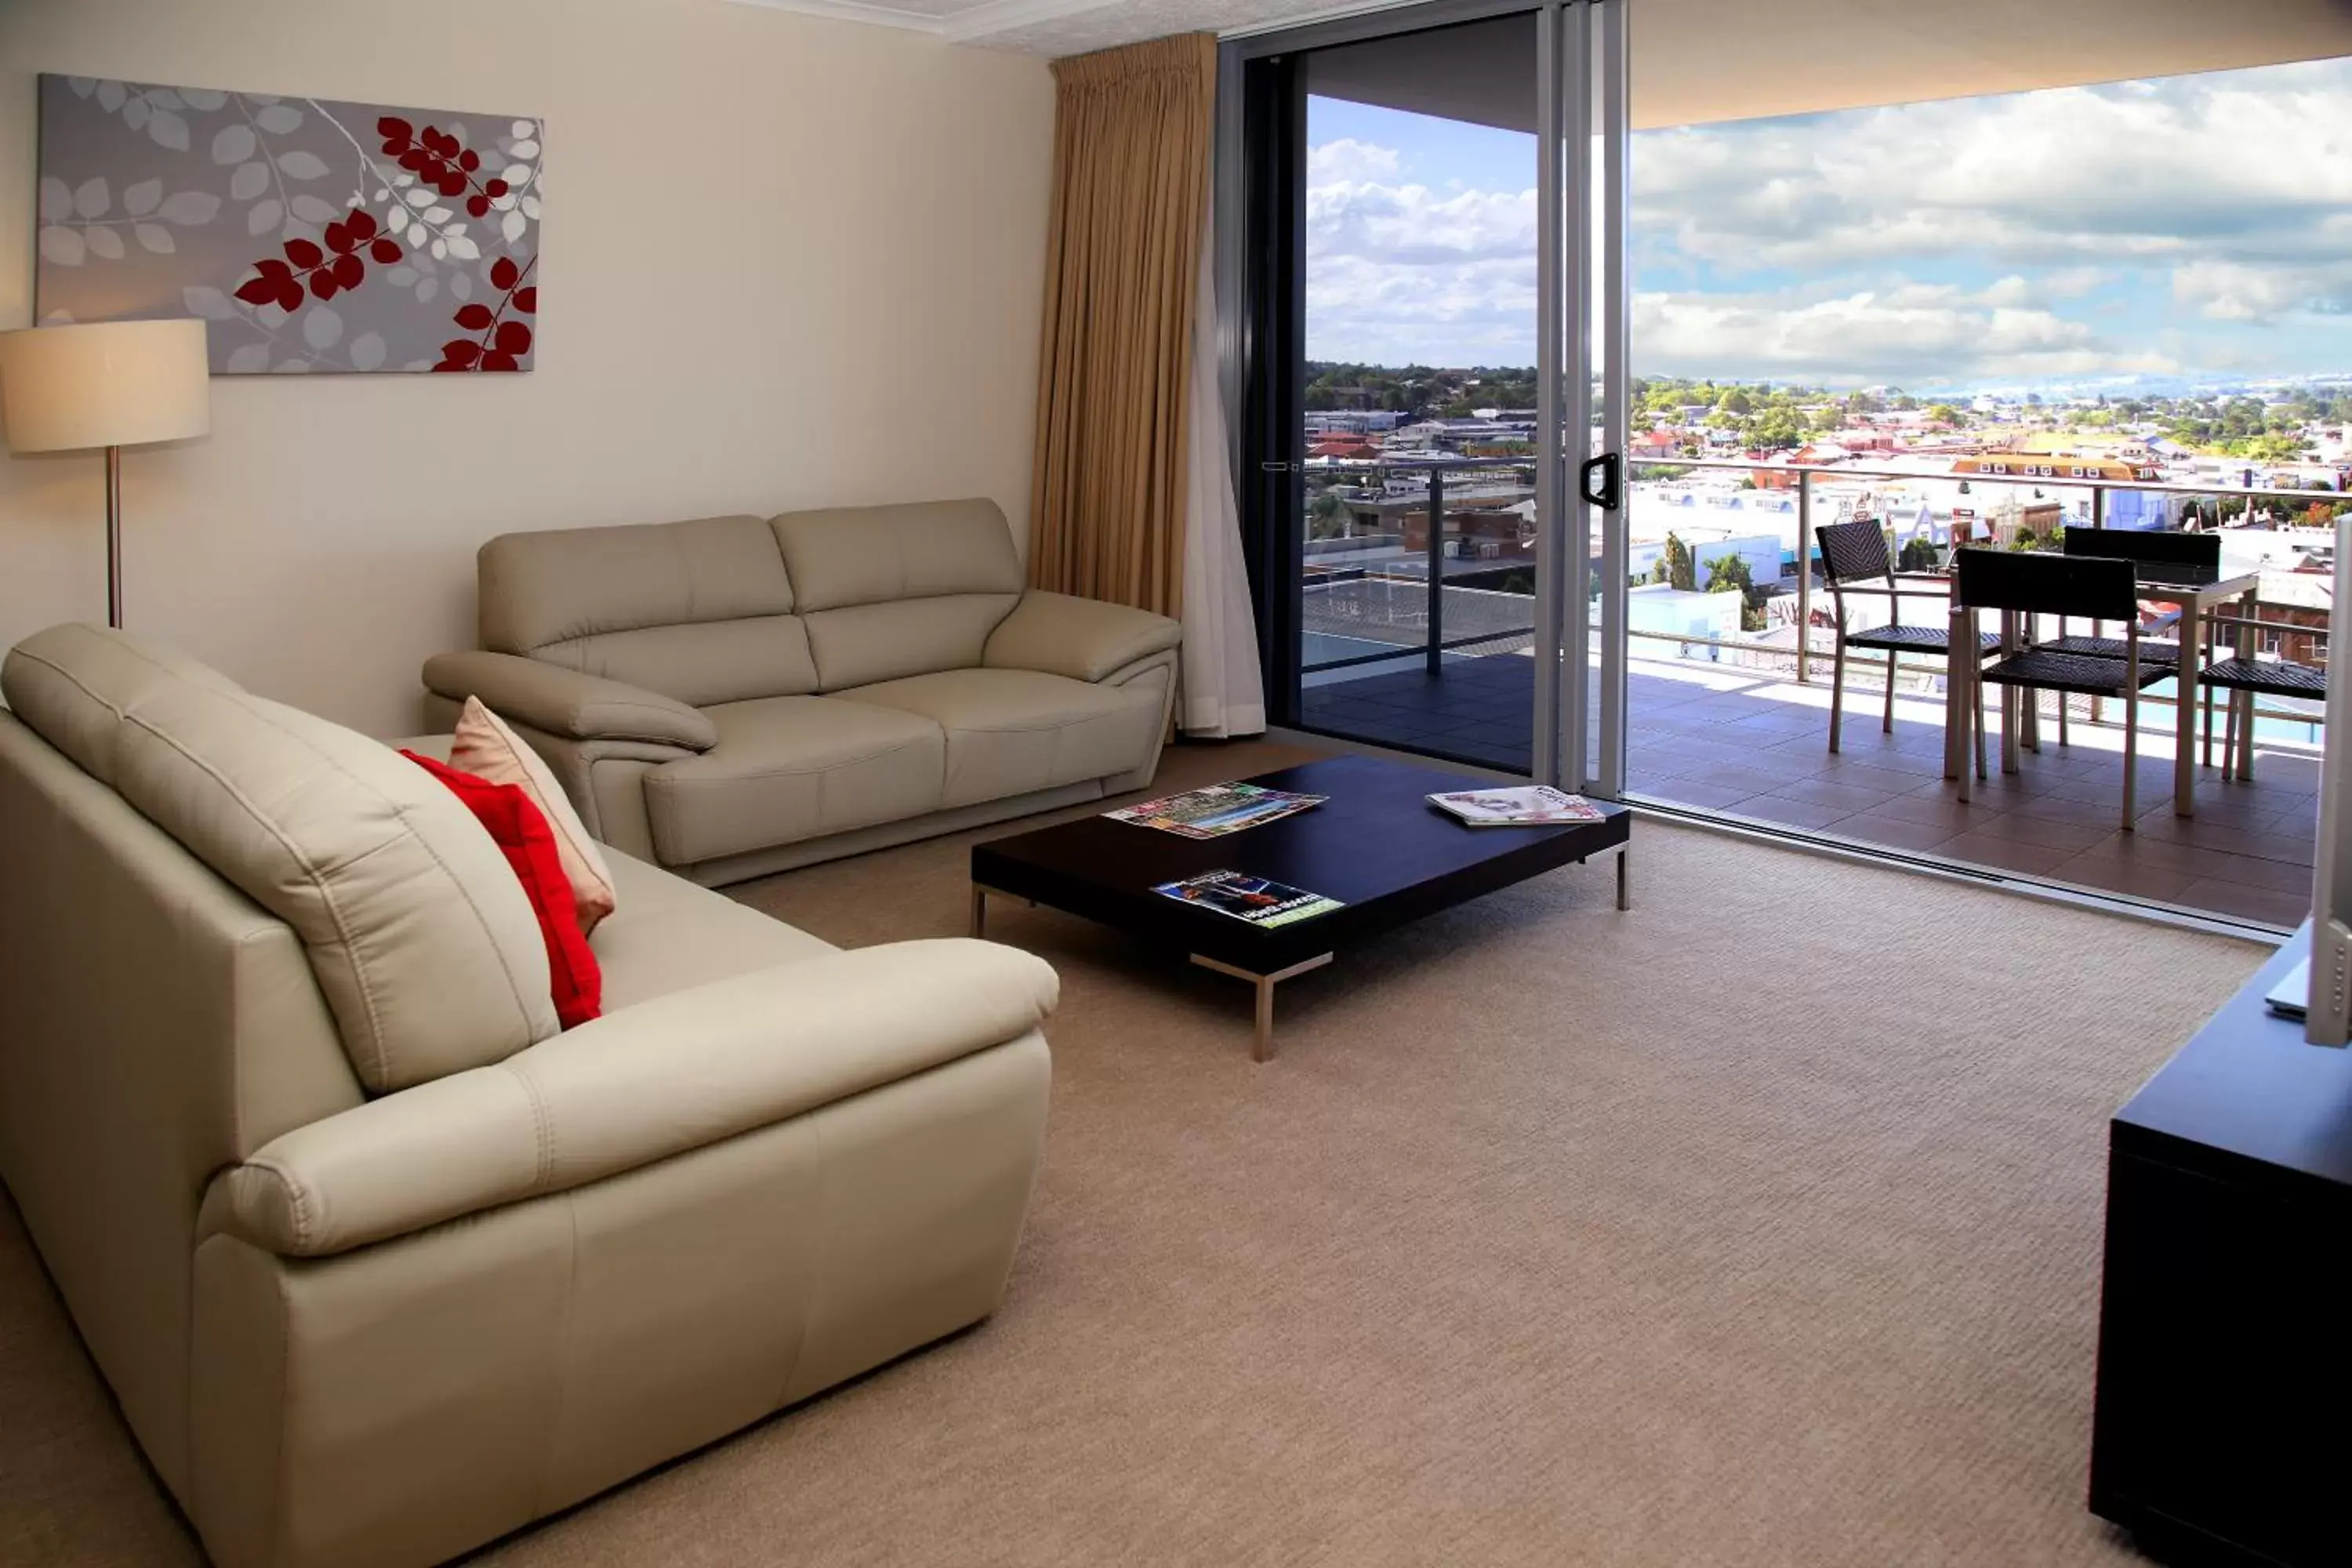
[(1132, 131)]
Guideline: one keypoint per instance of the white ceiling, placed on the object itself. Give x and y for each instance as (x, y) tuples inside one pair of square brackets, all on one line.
[(1701, 60), (1060, 27)]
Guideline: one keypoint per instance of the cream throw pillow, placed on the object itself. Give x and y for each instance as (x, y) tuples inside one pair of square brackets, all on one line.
[(487, 748)]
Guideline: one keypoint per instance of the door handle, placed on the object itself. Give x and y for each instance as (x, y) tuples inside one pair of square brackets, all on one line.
[(1611, 473)]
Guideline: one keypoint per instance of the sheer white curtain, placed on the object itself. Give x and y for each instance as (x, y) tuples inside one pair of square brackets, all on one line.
[(1222, 691)]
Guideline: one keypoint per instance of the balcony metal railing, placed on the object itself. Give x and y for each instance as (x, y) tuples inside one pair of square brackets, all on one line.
[(1434, 643)]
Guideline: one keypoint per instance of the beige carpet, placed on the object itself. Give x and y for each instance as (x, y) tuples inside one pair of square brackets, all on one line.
[(1759, 1225)]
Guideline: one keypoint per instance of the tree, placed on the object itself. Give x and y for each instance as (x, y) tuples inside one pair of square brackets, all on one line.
[(1677, 565), (1731, 574), (1943, 414), (1735, 402), (1919, 555), (1328, 517)]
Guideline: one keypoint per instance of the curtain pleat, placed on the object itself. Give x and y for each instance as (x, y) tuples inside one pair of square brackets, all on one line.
[(1131, 146)]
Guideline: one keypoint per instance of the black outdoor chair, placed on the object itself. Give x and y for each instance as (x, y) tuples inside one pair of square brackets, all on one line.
[(2069, 587), (2256, 678), (1854, 554), (2148, 547)]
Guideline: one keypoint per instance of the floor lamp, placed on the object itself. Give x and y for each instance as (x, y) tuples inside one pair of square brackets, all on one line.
[(111, 384)]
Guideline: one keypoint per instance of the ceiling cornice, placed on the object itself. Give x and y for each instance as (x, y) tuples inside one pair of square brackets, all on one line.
[(980, 22)]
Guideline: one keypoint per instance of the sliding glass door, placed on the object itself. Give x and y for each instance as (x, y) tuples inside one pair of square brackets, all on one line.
[(1416, 243)]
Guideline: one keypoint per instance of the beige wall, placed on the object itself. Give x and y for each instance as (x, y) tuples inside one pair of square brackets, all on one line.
[(789, 262)]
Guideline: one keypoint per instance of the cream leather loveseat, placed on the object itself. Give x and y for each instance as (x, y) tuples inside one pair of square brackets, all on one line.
[(379, 1265), (733, 696)]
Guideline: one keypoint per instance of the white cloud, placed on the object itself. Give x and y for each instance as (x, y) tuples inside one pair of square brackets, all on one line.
[(1792, 248), (1913, 335), (1349, 159)]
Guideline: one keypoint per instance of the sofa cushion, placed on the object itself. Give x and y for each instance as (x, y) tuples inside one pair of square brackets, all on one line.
[(424, 944), (889, 591), (789, 768), (521, 830), (484, 746), (670, 934), (1009, 731), (700, 610)]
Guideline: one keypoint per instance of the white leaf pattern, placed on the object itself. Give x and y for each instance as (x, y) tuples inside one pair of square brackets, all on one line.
[(511, 224), (92, 198), (234, 143), (278, 119), (367, 351), (135, 112), (322, 328), (168, 130), (461, 286), (103, 242), (204, 98), (310, 209), (299, 165), (56, 200), (401, 277), (190, 208), (138, 200), (264, 216), (250, 358), (249, 181), (81, 85), (61, 246), (111, 95), (164, 97), (154, 237), (427, 289), (203, 299)]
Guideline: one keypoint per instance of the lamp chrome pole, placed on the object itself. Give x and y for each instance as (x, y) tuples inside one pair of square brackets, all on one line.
[(114, 536)]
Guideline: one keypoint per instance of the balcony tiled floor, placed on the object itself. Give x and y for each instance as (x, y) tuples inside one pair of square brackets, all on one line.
[(1752, 746)]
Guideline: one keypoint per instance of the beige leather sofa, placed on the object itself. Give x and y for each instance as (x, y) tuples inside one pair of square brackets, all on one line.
[(378, 1264), (733, 696)]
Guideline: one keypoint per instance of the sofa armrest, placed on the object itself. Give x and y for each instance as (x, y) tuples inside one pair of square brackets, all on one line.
[(654, 1080), (1084, 639), (568, 702)]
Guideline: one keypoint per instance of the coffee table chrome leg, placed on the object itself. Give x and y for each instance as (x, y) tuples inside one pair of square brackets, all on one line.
[(1624, 891), (1262, 1047)]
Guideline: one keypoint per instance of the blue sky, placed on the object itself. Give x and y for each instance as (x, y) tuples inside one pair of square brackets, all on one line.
[(2192, 226)]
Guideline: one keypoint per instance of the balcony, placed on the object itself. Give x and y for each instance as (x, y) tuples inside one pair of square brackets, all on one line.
[(1730, 725)]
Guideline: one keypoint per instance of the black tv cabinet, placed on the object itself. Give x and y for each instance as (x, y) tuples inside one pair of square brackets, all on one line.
[(2223, 1425)]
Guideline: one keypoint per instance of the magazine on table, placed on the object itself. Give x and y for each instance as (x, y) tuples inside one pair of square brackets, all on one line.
[(1216, 810), (1260, 900), (1527, 806)]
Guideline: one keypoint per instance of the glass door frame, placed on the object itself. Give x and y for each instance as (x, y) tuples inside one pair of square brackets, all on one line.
[(1259, 207)]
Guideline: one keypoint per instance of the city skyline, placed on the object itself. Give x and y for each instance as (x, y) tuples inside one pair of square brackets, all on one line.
[(2194, 228)]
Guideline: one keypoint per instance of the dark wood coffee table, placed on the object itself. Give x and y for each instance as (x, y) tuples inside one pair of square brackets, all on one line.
[(1377, 845)]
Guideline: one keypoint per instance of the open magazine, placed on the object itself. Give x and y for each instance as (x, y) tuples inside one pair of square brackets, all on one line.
[(1260, 900), (1527, 806), (1216, 810)]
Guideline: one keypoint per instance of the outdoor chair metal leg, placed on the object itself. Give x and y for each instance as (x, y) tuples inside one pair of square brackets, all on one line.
[(2131, 751), (2246, 732), (1887, 725), (1837, 691), (2009, 729), (1979, 695), (2205, 754)]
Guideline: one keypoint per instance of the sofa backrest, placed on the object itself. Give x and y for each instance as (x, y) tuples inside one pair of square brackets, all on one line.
[(892, 591), (700, 610), (722, 609), (415, 926), (161, 1025)]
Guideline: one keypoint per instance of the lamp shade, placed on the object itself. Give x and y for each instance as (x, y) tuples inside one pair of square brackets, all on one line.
[(104, 383)]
